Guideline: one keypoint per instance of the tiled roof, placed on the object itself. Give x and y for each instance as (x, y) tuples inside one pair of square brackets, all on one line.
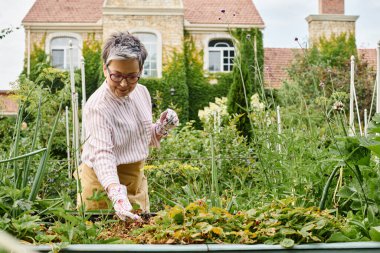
[(277, 60), (368, 55), (8, 104), (65, 11), (210, 12), (196, 12)]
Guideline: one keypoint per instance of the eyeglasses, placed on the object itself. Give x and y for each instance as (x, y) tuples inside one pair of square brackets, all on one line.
[(118, 78)]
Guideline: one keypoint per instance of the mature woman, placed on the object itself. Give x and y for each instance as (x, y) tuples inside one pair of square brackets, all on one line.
[(119, 130)]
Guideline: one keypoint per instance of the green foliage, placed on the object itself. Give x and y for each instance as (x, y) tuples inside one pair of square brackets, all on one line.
[(221, 88), (6, 133), (312, 161), (50, 85), (156, 87), (201, 91), (355, 177), (185, 71), (174, 76), (17, 214), (38, 60), (184, 174), (73, 229), (199, 88), (92, 54), (336, 51), (247, 75), (277, 223), (325, 69)]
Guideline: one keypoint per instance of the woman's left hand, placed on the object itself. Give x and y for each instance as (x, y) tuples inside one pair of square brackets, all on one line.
[(168, 120)]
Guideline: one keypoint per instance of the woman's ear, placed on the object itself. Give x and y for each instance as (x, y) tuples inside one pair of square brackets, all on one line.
[(105, 70)]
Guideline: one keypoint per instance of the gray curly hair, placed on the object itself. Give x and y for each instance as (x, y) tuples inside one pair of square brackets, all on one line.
[(123, 46)]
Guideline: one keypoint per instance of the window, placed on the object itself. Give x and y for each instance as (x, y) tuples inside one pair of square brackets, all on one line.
[(60, 53), (150, 42), (221, 55)]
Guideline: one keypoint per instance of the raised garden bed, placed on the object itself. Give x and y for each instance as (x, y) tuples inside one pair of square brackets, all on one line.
[(348, 247)]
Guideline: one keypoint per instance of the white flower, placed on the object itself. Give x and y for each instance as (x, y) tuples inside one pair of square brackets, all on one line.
[(338, 106), (217, 109), (256, 104)]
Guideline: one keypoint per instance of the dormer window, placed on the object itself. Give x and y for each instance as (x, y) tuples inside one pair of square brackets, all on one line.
[(60, 52), (221, 53)]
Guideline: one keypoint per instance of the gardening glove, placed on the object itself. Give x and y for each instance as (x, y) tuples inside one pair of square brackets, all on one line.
[(118, 195), (168, 120)]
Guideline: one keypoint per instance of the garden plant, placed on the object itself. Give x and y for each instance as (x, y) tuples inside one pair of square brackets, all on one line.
[(231, 173)]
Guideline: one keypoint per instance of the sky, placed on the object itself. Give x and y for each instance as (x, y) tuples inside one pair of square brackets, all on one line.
[(284, 21)]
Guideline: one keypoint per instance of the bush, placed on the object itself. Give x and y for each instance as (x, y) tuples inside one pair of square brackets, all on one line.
[(38, 60), (92, 51), (247, 75), (325, 69)]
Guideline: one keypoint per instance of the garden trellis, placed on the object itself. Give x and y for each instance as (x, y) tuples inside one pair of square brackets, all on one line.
[(78, 129), (378, 79), (354, 102), (353, 99), (74, 109)]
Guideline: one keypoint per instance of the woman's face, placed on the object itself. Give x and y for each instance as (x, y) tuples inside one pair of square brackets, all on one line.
[(122, 76)]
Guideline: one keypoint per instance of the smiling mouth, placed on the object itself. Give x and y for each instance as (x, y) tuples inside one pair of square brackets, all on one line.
[(123, 90)]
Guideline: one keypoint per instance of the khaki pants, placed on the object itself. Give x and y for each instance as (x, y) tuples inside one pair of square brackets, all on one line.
[(130, 175)]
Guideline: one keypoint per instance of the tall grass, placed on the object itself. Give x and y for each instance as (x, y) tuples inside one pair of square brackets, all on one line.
[(22, 173), (41, 170)]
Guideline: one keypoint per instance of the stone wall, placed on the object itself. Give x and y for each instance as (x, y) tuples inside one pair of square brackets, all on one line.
[(326, 25), (37, 37), (170, 28)]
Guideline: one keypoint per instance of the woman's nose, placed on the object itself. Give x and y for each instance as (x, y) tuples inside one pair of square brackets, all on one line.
[(124, 83)]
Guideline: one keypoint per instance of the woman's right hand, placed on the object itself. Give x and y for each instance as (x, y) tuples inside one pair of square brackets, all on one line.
[(117, 193)]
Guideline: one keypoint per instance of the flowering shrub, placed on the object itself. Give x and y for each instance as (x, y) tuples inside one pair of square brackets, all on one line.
[(256, 105), (215, 113)]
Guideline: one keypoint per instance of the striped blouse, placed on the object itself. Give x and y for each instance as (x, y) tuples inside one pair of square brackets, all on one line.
[(118, 131)]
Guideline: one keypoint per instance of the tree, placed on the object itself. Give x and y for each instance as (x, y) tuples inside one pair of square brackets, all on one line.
[(247, 75)]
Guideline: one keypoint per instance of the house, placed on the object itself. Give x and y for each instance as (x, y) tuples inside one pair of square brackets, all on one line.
[(160, 24), (331, 19), (8, 104)]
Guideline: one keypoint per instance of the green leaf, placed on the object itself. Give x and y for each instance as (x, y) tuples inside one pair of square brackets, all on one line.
[(42, 238), (372, 216), (374, 125), (288, 231), (321, 224), (23, 204), (351, 232), (287, 243), (374, 233), (179, 218), (136, 206), (346, 192), (308, 227), (376, 117), (360, 226), (339, 237), (371, 144), (360, 156)]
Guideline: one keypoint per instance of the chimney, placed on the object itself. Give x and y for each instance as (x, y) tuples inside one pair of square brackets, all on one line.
[(331, 6), (330, 20)]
